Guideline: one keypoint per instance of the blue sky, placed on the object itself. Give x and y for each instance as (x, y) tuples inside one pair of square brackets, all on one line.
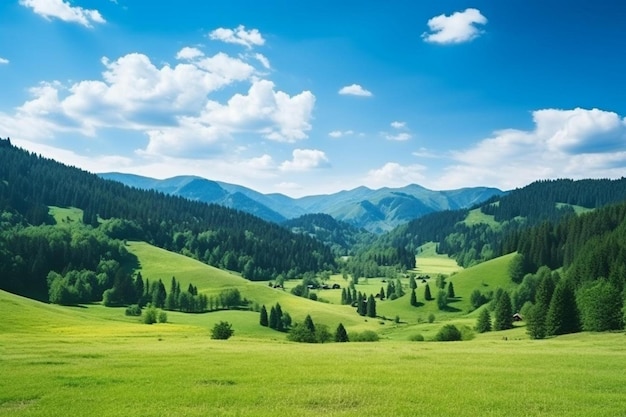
[(309, 98)]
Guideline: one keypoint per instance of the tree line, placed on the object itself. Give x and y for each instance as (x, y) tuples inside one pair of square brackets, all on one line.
[(220, 236)]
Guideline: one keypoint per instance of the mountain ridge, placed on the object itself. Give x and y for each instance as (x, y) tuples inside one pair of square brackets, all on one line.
[(376, 210)]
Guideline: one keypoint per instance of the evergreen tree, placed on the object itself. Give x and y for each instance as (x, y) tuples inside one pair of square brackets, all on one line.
[(159, 295), (371, 306), (503, 313), (263, 320), (382, 293), (139, 288), (349, 298), (273, 320), (413, 298), (398, 289), (600, 305), (451, 290), (341, 335), (517, 268), (308, 323), (563, 316), (412, 283), (483, 324), (536, 317), (391, 289), (427, 295), (442, 300), (279, 318), (343, 296), (361, 308)]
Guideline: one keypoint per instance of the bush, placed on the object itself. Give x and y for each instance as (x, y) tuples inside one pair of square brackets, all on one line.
[(364, 336), (133, 310), (162, 317), (431, 318), (222, 331), (448, 333), (467, 333), (150, 315), (418, 337)]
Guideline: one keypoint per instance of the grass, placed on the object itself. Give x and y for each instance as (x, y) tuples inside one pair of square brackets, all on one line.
[(86, 362), (63, 215)]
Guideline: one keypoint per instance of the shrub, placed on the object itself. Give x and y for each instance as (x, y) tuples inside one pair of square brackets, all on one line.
[(162, 317), (364, 336), (222, 331), (150, 315), (448, 333), (301, 333), (133, 310), (466, 333), (431, 318), (418, 337)]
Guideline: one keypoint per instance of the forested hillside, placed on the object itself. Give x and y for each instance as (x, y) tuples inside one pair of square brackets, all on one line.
[(497, 223), (233, 240)]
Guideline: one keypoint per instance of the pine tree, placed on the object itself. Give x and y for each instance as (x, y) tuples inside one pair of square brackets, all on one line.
[(563, 316), (279, 318), (273, 320), (413, 298), (483, 324), (451, 290), (341, 335), (263, 320), (343, 296), (371, 306), (503, 313), (382, 293), (536, 317), (361, 307), (412, 283), (308, 323), (427, 295)]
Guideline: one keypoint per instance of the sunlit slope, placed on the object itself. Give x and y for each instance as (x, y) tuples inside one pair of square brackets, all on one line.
[(156, 263)]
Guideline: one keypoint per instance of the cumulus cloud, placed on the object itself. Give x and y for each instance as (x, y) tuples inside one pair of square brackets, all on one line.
[(3, 61), (305, 160), (239, 36), (171, 105), (457, 28), (392, 174), (273, 113), (355, 90), (578, 143), (64, 11), (401, 136)]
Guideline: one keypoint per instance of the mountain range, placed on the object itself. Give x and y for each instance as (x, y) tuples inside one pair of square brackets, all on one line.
[(377, 211)]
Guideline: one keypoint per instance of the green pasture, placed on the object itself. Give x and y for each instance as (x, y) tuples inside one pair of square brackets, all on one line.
[(92, 361), (63, 215)]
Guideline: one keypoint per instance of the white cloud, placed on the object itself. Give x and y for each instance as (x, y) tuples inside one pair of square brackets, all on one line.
[(392, 174), (576, 144), (399, 137), (189, 53), (398, 125), (239, 35), (340, 133), (457, 28), (3, 61), (304, 160), (355, 90), (263, 60), (170, 105), (64, 11), (272, 113)]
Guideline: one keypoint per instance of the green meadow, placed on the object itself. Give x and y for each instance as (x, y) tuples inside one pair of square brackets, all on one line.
[(92, 360)]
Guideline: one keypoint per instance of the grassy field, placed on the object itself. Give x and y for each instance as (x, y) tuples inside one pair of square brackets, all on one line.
[(93, 360), (59, 361)]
